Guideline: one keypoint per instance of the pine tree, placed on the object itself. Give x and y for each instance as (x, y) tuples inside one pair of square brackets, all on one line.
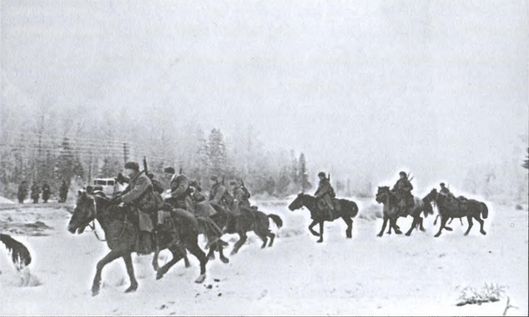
[(303, 175), (284, 181), (68, 164), (216, 153), (111, 167)]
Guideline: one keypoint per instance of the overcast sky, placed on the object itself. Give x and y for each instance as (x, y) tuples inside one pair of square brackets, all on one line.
[(362, 87)]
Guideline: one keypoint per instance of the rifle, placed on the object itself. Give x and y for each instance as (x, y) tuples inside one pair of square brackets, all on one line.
[(145, 170)]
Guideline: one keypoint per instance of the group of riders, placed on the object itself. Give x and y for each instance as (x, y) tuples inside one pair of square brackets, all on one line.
[(154, 204)]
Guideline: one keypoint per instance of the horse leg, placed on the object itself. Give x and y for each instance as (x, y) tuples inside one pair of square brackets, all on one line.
[(177, 255), (396, 228), (441, 226), (384, 223), (320, 240), (470, 224), (451, 219), (349, 230), (201, 256), (186, 261), (421, 224), (155, 264), (481, 222), (111, 256), (311, 226), (220, 249), (239, 243), (264, 238), (130, 271), (272, 236), (413, 224), (211, 252)]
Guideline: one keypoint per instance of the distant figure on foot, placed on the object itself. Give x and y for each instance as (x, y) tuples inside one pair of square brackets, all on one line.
[(46, 192), (22, 192), (35, 193)]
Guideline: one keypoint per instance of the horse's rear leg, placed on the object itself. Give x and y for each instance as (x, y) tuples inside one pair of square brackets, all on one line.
[(481, 222), (272, 238), (111, 256), (130, 271), (186, 261), (238, 244), (263, 238), (349, 230), (384, 223), (223, 258), (177, 255), (470, 224), (201, 256)]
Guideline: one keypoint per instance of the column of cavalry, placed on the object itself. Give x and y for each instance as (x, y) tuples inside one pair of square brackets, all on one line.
[(141, 220), (145, 219)]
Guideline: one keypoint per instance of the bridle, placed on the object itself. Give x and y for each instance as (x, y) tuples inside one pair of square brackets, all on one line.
[(92, 225)]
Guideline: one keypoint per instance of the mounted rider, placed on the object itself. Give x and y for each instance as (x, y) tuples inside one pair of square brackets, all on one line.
[(241, 195), (179, 196), (219, 196), (325, 195), (402, 189), (139, 196)]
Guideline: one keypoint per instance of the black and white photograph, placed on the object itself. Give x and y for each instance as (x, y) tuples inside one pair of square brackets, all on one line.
[(264, 158)]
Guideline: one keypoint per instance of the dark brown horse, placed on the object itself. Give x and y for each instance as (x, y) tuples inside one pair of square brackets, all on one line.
[(347, 211), (452, 207), (391, 211), (19, 253), (121, 234), (249, 220)]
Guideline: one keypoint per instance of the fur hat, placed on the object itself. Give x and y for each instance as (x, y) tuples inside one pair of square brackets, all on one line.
[(132, 166), (169, 170), (321, 174)]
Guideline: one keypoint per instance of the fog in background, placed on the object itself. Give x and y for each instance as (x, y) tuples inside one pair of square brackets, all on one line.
[(363, 88)]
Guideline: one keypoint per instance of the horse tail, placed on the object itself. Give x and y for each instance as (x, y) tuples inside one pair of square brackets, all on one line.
[(484, 210), (19, 253), (276, 219)]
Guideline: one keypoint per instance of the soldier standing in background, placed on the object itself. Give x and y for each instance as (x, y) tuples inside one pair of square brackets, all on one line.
[(46, 192), (63, 192), (22, 192), (35, 193)]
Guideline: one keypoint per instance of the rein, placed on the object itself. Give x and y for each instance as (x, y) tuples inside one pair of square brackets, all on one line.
[(92, 226)]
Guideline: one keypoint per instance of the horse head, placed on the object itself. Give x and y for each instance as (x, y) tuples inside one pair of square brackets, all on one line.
[(382, 194), (297, 203), (84, 212)]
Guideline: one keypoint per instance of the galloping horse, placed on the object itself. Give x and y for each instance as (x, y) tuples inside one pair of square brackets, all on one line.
[(451, 207), (249, 220), (391, 211), (347, 211), (121, 237)]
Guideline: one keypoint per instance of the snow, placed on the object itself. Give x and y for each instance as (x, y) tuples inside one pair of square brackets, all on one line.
[(392, 275), (4, 200)]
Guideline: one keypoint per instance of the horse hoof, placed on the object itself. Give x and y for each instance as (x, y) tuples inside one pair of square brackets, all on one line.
[(225, 260), (449, 229), (398, 232), (379, 235), (131, 289), (320, 241), (408, 234), (200, 279), (437, 235), (483, 233), (159, 275), (95, 292), (187, 265)]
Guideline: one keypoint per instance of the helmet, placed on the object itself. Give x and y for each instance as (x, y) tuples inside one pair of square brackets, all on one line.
[(321, 174), (403, 173), (442, 184)]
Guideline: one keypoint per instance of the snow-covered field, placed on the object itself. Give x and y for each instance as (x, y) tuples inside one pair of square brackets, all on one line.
[(393, 275)]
